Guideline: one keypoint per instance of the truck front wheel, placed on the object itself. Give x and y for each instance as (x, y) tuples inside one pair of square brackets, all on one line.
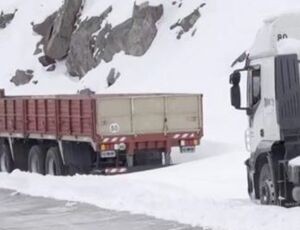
[(36, 160), (6, 162), (54, 164), (266, 186)]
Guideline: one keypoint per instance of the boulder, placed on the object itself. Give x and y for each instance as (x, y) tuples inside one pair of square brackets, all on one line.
[(112, 77), (135, 35), (188, 22), (45, 27), (86, 91), (82, 56), (22, 77), (46, 61), (92, 42), (58, 42), (6, 19)]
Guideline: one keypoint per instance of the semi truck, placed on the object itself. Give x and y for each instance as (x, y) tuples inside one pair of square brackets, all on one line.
[(109, 134), (272, 104)]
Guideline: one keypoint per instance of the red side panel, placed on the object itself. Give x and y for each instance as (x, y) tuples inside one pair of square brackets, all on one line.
[(75, 117), (53, 116), (11, 116)]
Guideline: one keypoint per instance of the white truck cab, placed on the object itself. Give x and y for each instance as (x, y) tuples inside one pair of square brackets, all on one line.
[(273, 107)]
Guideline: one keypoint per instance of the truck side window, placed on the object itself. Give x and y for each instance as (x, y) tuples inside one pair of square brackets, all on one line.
[(254, 87)]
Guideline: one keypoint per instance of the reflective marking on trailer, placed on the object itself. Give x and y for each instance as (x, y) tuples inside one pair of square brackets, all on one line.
[(123, 139), (114, 139), (123, 170), (185, 135), (106, 140), (115, 170), (176, 136), (192, 135)]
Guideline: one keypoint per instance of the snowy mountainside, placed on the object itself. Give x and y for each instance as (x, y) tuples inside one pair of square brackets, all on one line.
[(195, 64)]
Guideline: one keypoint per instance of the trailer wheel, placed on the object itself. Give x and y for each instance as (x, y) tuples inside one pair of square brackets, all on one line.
[(36, 160), (6, 161), (54, 164), (266, 186)]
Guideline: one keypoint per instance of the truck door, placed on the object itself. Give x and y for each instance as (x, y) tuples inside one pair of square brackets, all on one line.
[(255, 113)]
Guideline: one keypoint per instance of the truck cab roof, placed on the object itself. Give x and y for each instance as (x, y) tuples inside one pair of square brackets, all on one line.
[(279, 35)]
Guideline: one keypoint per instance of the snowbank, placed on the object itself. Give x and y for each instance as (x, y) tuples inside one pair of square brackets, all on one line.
[(209, 192)]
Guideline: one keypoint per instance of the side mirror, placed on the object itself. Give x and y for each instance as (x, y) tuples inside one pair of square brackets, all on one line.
[(236, 96), (235, 78)]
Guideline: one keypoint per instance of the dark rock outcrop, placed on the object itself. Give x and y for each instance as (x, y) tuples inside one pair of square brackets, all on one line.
[(6, 19), (44, 28), (135, 35), (46, 61), (22, 77), (91, 42), (83, 56), (188, 23), (112, 77), (86, 92), (57, 43)]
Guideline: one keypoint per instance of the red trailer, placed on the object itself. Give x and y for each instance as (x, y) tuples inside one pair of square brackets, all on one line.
[(77, 134)]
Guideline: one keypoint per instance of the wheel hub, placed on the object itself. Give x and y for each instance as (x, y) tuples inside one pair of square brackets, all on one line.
[(34, 165), (52, 167), (3, 163), (268, 192)]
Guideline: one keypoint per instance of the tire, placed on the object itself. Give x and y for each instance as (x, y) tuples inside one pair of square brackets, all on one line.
[(36, 160), (54, 164), (78, 158), (266, 186), (6, 161)]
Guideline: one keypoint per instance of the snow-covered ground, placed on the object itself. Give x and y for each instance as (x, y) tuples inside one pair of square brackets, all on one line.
[(209, 191), (207, 188)]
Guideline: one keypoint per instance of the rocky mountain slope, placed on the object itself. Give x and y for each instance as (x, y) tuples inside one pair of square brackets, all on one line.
[(127, 46)]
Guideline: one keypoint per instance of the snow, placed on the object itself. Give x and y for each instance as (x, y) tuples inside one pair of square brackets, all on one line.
[(289, 46), (279, 35), (209, 191), (207, 188), (295, 162)]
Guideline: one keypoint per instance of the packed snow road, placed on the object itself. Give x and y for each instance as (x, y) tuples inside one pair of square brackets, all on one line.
[(19, 211)]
